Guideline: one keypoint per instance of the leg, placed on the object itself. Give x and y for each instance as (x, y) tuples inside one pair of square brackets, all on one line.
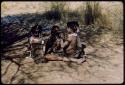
[(53, 57)]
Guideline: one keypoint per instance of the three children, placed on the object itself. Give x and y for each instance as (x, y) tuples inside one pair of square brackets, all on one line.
[(69, 46)]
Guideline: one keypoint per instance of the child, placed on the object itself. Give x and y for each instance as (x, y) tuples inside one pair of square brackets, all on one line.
[(35, 44), (53, 42), (76, 26), (80, 46), (73, 43), (70, 45)]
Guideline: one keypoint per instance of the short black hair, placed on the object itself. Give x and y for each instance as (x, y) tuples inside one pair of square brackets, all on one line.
[(36, 30), (53, 29), (73, 25)]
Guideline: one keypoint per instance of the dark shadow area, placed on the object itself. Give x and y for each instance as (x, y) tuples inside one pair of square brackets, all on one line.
[(17, 27)]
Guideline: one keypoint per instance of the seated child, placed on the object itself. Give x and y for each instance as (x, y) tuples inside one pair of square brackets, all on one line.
[(70, 45), (53, 43), (35, 44)]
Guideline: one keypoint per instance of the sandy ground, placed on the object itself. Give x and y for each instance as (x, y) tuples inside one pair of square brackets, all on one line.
[(104, 64)]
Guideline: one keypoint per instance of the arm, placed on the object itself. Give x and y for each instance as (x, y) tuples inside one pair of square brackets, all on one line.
[(67, 42)]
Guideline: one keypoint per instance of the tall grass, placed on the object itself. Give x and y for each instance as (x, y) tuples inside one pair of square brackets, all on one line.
[(93, 22)]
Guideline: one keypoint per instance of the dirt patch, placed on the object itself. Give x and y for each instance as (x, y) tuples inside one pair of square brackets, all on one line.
[(103, 65)]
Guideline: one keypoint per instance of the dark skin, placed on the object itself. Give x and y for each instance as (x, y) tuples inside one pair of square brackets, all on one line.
[(69, 45), (66, 45), (52, 41)]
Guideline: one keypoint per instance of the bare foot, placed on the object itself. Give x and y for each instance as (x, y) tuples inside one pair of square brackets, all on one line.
[(65, 59), (79, 61)]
